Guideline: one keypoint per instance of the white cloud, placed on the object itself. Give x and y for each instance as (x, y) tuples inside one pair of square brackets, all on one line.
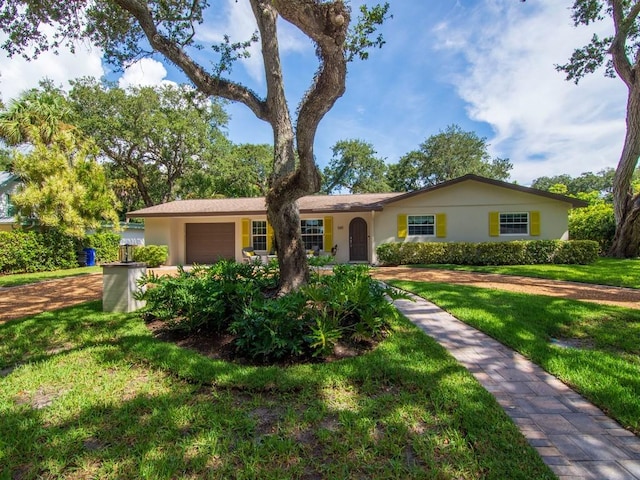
[(146, 72), (548, 126), (18, 74)]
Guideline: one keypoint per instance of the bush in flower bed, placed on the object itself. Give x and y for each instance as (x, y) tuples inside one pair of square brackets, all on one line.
[(238, 299), (524, 252), (152, 255)]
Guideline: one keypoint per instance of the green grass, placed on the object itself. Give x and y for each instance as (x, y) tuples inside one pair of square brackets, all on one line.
[(605, 271), (605, 365), (26, 278), (89, 394)]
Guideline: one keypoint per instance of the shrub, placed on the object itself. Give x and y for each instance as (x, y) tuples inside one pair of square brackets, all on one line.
[(106, 245), (30, 251), (152, 255), (234, 297), (489, 253), (204, 297), (595, 222)]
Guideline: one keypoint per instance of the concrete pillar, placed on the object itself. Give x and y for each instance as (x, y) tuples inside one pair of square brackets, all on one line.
[(119, 283)]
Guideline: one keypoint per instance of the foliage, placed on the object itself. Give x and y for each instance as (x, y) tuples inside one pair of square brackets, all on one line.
[(447, 155), (30, 251), (37, 116), (64, 186), (489, 253), (355, 167), (232, 297), (587, 182), (152, 136), (204, 297), (106, 245), (594, 222), (228, 170), (152, 255)]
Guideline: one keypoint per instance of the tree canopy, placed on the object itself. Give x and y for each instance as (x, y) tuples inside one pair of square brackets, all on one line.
[(447, 155), (152, 136), (129, 29), (355, 167), (63, 185), (587, 182)]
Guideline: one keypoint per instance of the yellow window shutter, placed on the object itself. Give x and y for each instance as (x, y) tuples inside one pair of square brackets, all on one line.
[(534, 224), (441, 225), (402, 226), (246, 232), (269, 237), (328, 233), (494, 224)]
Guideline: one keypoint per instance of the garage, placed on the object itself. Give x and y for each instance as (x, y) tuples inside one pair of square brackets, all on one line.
[(209, 242)]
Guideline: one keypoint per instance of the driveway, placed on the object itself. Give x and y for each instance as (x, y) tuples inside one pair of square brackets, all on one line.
[(16, 302)]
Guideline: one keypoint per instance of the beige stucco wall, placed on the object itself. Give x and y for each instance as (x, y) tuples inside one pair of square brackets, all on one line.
[(467, 206), (172, 232)]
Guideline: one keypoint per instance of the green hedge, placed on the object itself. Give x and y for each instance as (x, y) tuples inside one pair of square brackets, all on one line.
[(29, 251), (106, 245), (525, 252), (152, 255)]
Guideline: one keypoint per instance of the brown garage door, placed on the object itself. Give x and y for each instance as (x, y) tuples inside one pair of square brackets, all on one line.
[(209, 242)]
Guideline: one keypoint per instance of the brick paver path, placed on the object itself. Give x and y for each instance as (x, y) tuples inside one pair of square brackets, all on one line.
[(573, 436)]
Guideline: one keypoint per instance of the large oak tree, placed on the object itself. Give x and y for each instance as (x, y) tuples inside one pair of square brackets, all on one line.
[(125, 28), (621, 54)]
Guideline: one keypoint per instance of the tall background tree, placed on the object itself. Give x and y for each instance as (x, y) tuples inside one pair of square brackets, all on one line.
[(620, 53), (447, 155), (127, 29), (354, 167), (151, 136), (63, 185)]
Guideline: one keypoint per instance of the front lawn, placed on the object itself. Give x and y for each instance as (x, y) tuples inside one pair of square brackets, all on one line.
[(598, 352), (26, 278), (88, 394), (605, 271)]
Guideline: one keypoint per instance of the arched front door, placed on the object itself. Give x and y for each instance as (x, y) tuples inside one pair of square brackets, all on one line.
[(358, 240)]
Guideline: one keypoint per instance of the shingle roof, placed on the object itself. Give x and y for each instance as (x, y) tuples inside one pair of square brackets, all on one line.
[(321, 203), (256, 206)]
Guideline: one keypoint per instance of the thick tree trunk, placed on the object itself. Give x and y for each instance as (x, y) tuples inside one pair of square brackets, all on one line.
[(627, 207)]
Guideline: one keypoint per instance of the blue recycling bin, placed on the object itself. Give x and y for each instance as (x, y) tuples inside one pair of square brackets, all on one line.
[(91, 256)]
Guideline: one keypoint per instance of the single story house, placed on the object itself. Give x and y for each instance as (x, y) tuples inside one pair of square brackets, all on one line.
[(470, 209)]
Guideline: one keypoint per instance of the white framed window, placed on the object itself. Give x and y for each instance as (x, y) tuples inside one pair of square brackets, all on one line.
[(421, 225), (516, 223), (312, 234), (259, 234)]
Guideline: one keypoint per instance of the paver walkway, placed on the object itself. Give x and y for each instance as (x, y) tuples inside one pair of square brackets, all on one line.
[(575, 438)]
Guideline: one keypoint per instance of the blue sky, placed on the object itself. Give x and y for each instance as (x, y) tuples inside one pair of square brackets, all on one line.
[(486, 65)]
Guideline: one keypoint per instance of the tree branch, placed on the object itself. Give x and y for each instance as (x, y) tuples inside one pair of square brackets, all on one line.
[(621, 62), (205, 82)]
